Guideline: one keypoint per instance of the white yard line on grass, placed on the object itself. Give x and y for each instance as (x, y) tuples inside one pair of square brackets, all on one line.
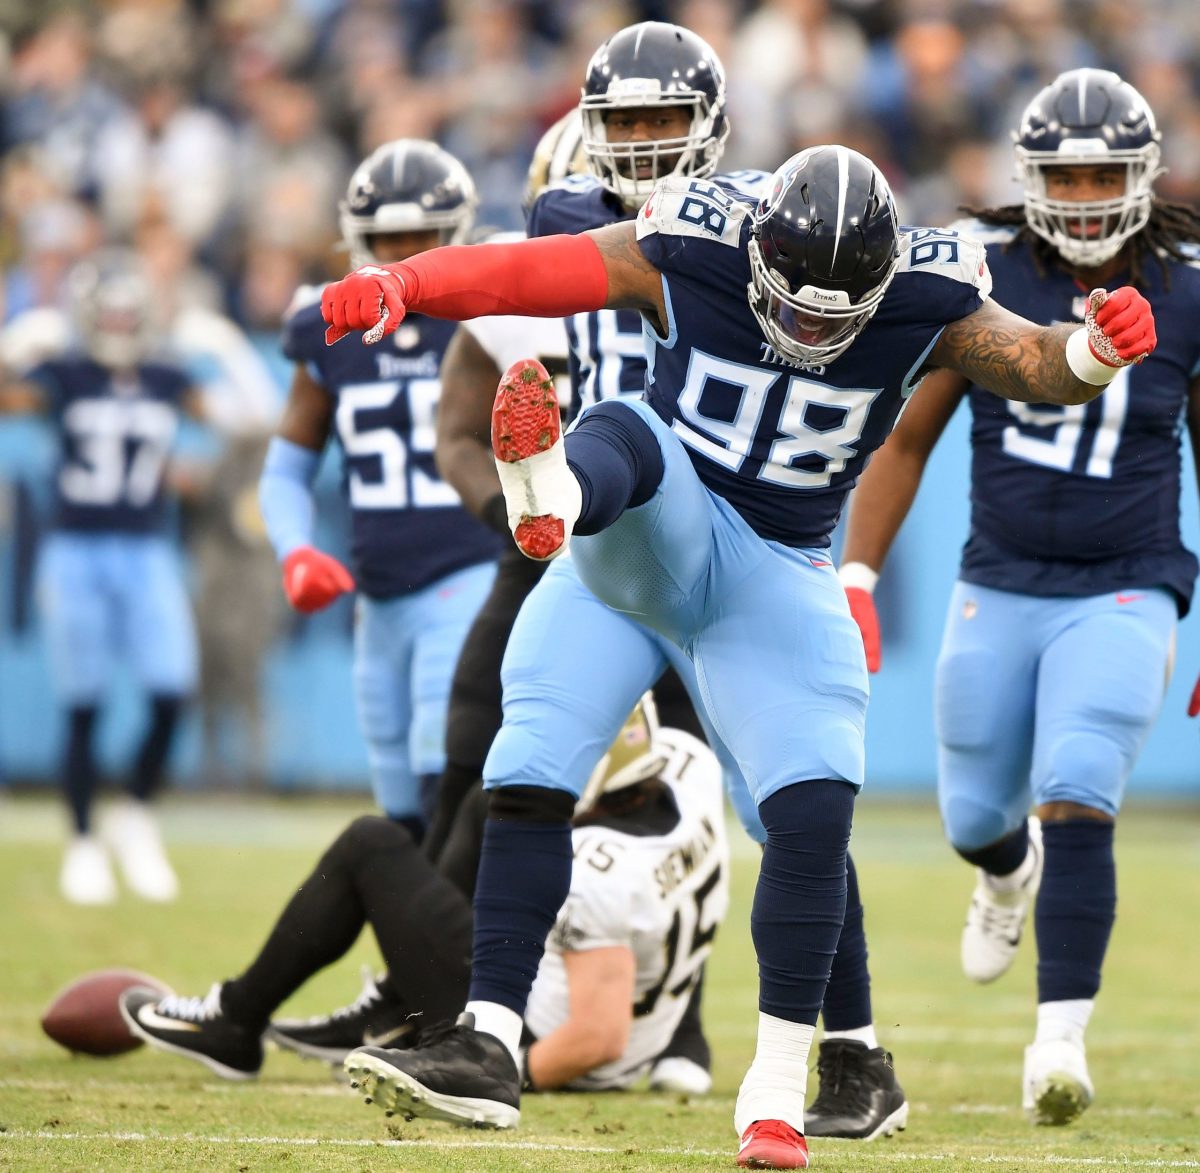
[(875, 1154)]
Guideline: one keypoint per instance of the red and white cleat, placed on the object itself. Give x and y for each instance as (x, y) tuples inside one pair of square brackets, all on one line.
[(772, 1144), (541, 492)]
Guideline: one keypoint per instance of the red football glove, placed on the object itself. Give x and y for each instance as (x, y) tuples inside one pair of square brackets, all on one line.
[(862, 610), (1194, 703), (371, 299), (312, 580), (1120, 326)]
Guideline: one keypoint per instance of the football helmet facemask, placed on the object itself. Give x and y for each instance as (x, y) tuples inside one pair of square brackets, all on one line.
[(113, 307), (653, 64), (1088, 117), (824, 246), (409, 185), (636, 755)]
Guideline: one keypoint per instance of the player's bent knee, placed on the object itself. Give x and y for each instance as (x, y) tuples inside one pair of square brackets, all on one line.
[(530, 804), (1087, 769), (365, 836), (971, 824)]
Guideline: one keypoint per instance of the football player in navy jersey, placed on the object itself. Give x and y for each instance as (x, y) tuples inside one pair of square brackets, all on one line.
[(422, 564), (1058, 639), (109, 576), (783, 338)]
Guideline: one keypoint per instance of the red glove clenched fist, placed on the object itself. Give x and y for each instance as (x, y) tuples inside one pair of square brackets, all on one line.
[(1120, 326), (1194, 703), (862, 610), (312, 580), (369, 299)]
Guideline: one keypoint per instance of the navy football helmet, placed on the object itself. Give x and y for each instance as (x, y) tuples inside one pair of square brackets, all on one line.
[(1092, 117), (653, 64), (113, 307), (824, 246), (409, 185)]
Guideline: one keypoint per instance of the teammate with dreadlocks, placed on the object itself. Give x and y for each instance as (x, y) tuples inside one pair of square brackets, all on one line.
[(1058, 641)]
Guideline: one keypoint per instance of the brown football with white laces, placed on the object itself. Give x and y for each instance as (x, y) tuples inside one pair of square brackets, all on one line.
[(84, 1016)]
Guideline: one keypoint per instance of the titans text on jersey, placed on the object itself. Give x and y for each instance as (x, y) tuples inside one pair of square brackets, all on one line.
[(1084, 500), (784, 445), (409, 528)]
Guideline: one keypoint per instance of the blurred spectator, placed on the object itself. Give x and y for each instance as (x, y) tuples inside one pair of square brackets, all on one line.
[(165, 157), (57, 101), (795, 65), (290, 170)]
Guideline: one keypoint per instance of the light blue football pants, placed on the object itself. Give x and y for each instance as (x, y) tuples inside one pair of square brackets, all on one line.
[(761, 634), (405, 650), (1044, 700)]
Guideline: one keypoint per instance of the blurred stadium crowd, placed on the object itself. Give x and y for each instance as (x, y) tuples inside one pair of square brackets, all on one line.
[(216, 137)]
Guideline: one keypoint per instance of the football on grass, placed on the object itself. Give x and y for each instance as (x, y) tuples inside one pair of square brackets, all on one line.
[(85, 1016)]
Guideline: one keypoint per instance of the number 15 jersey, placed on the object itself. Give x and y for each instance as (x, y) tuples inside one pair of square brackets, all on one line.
[(655, 882)]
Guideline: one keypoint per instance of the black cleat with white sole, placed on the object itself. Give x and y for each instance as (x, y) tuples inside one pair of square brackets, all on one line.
[(858, 1097), (373, 1019), (459, 1074), (195, 1028)]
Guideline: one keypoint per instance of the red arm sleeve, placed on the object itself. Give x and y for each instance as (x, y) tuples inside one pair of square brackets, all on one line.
[(549, 277)]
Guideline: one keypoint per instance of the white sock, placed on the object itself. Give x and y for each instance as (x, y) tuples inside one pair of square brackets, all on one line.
[(1014, 880), (1063, 1020), (494, 1019), (775, 1084), (860, 1034)]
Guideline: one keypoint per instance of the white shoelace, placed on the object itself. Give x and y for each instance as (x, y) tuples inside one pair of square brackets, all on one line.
[(192, 1009)]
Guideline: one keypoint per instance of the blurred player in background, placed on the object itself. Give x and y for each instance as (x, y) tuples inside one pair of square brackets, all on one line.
[(110, 583), (622, 958), (422, 564), (1060, 632)]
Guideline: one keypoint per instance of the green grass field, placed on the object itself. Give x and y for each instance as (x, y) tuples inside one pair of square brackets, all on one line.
[(958, 1047)]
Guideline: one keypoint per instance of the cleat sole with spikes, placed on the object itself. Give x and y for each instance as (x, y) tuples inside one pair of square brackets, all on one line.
[(398, 1094)]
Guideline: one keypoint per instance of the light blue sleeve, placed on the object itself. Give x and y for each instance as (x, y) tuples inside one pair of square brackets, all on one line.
[(285, 495)]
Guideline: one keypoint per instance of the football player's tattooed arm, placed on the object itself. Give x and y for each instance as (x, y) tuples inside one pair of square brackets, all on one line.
[(464, 420), (633, 282), (1012, 357), (600, 985), (308, 414), (886, 490)]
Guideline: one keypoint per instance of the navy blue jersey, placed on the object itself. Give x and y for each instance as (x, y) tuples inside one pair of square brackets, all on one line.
[(784, 445), (1084, 500), (115, 434), (606, 348), (408, 527)]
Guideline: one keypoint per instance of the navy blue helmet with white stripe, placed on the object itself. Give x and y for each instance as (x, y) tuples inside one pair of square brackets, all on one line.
[(653, 64), (1088, 117), (823, 248), (409, 185)]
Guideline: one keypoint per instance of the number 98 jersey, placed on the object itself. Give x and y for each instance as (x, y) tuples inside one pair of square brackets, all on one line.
[(408, 527), (1084, 500), (115, 436), (657, 883)]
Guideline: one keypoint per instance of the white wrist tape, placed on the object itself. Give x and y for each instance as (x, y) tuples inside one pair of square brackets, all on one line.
[(1084, 364), (858, 574)]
